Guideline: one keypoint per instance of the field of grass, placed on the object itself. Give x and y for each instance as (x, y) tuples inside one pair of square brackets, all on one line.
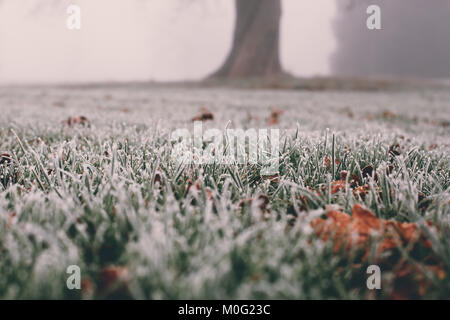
[(100, 191)]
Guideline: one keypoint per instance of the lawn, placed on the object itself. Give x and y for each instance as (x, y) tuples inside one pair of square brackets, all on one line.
[(87, 179)]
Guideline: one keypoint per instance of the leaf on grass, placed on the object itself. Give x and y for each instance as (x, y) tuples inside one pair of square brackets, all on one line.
[(361, 191), (196, 184), (203, 116), (327, 162), (71, 121), (423, 201), (157, 181), (274, 117), (388, 115), (395, 150), (358, 228), (369, 171), (337, 186), (262, 201), (112, 277), (5, 158), (87, 287)]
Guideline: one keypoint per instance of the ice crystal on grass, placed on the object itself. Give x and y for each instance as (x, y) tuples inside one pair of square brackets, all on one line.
[(105, 195)]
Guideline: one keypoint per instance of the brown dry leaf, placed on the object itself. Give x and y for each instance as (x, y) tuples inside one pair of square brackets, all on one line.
[(365, 220), (410, 281), (395, 150), (368, 171), (361, 191), (337, 223), (389, 169), (424, 203), (87, 287), (445, 123), (112, 276), (158, 179), (358, 228), (71, 121), (355, 180), (274, 117), (337, 186), (388, 115), (204, 115), (327, 162), (190, 184), (5, 158)]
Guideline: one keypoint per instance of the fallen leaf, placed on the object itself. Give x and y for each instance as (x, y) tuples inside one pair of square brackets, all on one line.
[(71, 121), (274, 117), (423, 202), (337, 186), (362, 224), (368, 171), (327, 162), (361, 191), (111, 276), (203, 116), (388, 115), (395, 150), (5, 158)]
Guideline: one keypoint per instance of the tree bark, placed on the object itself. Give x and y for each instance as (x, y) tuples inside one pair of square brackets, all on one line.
[(255, 49)]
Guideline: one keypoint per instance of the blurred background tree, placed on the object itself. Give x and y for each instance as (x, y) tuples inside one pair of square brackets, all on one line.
[(414, 40), (255, 48)]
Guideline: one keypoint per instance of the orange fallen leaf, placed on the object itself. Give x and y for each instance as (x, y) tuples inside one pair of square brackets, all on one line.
[(274, 117), (112, 276), (337, 186), (410, 280), (327, 162), (204, 116), (357, 229), (76, 120), (361, 191), (388, 115)]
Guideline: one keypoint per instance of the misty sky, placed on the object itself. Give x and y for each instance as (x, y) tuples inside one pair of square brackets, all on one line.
[(147, 39)]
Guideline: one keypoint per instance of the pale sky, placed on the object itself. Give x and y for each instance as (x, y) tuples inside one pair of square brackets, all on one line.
[(162, 40)]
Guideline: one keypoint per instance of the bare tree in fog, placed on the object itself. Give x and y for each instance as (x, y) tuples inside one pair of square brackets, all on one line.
[(255, 49), (414, 40)]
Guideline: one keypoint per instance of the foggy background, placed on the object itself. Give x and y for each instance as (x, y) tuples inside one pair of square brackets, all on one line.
[(148, 40), (170, 40), (414, 40)]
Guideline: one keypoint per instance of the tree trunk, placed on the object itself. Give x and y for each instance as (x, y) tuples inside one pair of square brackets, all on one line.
[(255, 50)]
